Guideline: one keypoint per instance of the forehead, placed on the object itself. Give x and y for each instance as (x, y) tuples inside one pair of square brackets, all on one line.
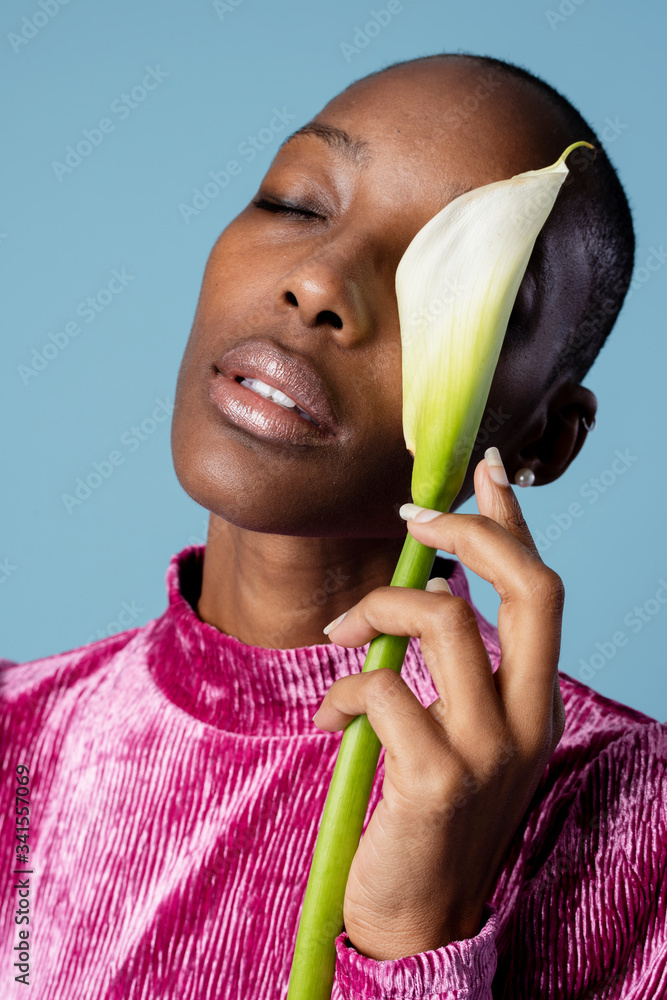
[(444, 120)]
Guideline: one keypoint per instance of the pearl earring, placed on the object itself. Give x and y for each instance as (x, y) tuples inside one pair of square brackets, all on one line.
[(524, 477)]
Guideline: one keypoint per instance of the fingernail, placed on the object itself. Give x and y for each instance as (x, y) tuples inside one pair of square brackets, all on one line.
[(494, 464), (413, 512), (334, 624), (438, 583)]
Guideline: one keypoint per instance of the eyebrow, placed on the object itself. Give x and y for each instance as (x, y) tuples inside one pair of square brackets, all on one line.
[(352, 147)]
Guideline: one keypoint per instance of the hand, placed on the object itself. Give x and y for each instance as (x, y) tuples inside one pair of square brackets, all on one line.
[(459, 774)]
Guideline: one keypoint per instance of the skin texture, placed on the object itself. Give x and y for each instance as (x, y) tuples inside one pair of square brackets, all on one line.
[(298, 535)]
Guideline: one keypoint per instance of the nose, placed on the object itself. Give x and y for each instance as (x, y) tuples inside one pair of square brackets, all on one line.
[(327, 291)]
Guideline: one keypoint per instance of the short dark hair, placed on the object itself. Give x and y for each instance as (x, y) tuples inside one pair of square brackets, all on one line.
[(601, 214)]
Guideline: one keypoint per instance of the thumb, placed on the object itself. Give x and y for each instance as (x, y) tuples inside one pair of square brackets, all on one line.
[(496, 498)]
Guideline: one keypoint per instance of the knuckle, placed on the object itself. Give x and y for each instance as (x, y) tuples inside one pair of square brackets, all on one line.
[(516, 520), (370, 602), (439, 710), (456, 616), (547, 587), (372, 608), (384, 687), (437, 782), (495, 752), (480, 525), (378, 594)]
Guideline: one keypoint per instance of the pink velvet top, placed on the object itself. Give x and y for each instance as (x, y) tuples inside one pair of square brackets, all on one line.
[(176, 782)]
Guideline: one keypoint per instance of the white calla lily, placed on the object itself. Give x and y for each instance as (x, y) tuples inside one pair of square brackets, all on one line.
[(456, 285)]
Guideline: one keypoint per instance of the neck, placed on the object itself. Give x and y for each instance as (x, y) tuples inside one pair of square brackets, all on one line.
[(279, 591)]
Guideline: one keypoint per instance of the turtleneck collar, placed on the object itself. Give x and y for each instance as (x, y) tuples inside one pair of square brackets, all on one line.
[(254, 691)]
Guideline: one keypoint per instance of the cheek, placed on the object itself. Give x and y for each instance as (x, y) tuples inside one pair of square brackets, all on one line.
[(514, 398), (238, 285)]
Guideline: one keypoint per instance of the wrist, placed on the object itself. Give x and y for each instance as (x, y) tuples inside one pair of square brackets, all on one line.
[(400, 944)]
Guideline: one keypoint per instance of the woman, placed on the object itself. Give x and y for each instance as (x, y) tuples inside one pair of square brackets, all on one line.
[(515, 839)]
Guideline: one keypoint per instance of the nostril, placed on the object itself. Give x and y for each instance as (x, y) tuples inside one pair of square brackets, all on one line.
[(331, 318), (291, 298)]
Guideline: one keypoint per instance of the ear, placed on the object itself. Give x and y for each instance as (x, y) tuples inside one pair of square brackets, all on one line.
[(555, 441)]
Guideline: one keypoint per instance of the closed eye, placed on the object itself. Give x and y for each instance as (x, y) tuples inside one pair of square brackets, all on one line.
[(285, 208)]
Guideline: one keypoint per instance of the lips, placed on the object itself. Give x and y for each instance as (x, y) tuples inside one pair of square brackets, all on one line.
[(294, 376)]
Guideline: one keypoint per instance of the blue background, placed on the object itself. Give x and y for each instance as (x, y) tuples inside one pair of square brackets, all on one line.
[(66, 576)]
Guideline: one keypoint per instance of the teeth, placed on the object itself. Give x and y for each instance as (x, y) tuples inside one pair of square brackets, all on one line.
[(274, 394), (262, 388), (280, 397)]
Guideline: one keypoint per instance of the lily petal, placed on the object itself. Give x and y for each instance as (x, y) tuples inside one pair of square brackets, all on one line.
[(456, 285)]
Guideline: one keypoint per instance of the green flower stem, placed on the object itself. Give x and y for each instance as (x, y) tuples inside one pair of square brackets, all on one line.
[(313, 966)]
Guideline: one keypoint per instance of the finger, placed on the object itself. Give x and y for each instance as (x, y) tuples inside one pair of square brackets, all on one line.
[(450, 641), (496, 498), (529, 618), (404, 727)]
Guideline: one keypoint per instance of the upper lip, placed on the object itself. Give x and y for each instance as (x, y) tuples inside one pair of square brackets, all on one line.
[(295, 376)]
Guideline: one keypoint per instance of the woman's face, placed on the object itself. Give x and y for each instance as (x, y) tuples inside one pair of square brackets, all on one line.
[(304, 296)]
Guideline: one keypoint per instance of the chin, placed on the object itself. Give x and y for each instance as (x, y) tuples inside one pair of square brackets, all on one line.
[(251, 508), (244, 486)]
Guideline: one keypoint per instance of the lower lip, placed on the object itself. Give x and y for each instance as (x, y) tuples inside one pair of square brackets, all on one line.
[(262, 417)]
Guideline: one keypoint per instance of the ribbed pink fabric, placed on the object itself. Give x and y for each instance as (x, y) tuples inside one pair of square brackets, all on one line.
[(176, 786)]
